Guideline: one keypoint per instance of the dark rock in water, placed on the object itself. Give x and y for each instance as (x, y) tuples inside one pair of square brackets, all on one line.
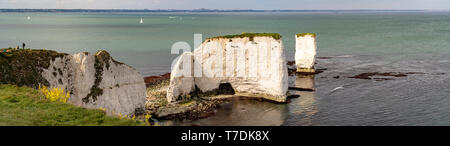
[(383, 79), (324, 57), (301, 89), (370, 75), (294, 96)]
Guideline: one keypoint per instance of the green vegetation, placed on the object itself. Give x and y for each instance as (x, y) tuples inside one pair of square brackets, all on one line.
[(24, 67), (305, 34), (23, 106), (250, 36)]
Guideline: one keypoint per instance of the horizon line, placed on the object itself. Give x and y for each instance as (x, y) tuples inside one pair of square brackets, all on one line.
[(209, 10), (220, 9)]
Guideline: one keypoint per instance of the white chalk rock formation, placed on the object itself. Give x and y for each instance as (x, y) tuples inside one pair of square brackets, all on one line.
[(254, 65), (98, 81), (305, 52), (181, 79)]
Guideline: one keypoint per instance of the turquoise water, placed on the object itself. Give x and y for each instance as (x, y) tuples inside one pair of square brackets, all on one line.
[(147, 46), (357, 43)]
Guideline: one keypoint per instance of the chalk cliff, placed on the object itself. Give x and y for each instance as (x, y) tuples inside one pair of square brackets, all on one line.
[(94, 80), (253, 64), (305, 52), (98, 81)]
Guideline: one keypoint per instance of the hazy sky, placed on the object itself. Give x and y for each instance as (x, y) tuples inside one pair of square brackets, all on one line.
[(230, 4)]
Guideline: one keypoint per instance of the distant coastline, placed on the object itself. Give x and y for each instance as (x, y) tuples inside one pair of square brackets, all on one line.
[(196, 11)]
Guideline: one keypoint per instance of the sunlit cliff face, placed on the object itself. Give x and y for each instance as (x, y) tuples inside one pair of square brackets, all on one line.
[(251, 66)]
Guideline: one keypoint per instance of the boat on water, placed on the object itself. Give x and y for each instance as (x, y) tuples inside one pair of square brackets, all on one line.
[(28, 18), (142, 21)]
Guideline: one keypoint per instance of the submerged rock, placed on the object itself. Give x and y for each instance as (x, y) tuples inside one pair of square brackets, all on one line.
[(253, 64), (383, 76)]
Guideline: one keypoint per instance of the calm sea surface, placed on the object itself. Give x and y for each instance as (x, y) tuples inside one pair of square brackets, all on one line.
[(357, 43)]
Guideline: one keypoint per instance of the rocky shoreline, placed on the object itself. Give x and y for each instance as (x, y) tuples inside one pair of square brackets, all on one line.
[(197, 108), (157, 105)]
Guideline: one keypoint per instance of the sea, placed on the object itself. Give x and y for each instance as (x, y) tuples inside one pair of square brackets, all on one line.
[(349, 43)]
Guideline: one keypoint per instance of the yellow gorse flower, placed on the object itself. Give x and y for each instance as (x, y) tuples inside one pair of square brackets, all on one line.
[(147, 118), (55, 94)]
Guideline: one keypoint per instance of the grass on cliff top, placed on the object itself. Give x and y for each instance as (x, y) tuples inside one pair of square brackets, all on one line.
[(23, 106), (305, 34), (276, 36)]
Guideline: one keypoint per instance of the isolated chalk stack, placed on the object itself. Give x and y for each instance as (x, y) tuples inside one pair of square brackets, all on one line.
[(305, 52)]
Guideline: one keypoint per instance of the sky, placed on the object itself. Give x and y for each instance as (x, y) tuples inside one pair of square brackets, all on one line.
[(231, 4)]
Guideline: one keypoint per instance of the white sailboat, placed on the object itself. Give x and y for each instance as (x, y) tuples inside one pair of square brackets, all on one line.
[(28, 18), (142, 20)]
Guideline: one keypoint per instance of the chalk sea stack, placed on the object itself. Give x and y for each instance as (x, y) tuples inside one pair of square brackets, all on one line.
[(253, 64), (305, 52)]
